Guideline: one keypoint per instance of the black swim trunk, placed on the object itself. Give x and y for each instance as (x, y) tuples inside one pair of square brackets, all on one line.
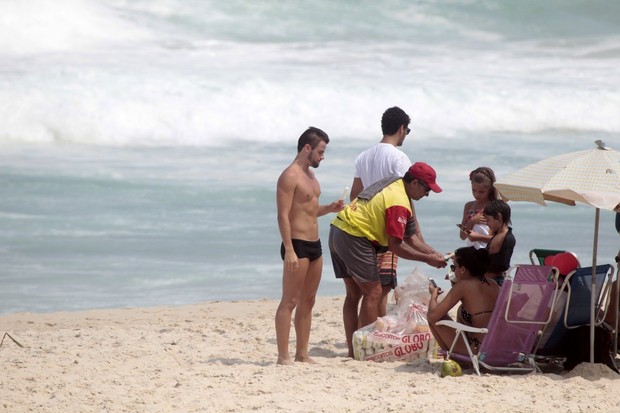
[(305, 249)]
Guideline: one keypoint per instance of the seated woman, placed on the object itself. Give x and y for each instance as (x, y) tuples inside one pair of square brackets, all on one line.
[(501, 246), (476, 293)]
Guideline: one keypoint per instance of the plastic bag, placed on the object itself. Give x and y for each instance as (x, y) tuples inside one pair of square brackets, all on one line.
[(402, 334), (414, 289)]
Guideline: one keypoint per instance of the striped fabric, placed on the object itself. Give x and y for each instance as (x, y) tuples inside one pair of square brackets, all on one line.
[(591, 177)]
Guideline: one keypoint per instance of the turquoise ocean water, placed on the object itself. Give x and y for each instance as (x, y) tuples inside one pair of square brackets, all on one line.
[(140, 141)]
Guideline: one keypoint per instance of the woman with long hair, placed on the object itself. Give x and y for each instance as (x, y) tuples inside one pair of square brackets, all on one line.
[(476, 293)]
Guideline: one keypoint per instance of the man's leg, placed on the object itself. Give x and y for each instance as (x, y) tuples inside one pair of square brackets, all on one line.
[(384, 300), (303, 314), (613, 311), (349, 311), (369, 311), (292, 282)]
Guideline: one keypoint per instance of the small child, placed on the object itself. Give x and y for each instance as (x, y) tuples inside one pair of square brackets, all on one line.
[(475, 226), (502, 243)]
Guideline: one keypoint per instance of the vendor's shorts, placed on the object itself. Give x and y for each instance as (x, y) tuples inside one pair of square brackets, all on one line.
[(356, 257)]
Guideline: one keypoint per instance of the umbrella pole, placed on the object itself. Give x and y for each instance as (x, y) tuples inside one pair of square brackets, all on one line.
[(593, 292), (615, 309), (616, 291)]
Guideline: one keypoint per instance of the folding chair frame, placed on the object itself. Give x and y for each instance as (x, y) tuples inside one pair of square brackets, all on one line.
[(568, 322), (526, 358)]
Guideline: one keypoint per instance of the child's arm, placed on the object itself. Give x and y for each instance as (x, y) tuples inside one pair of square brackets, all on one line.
[(496, 245), (466, 208), (476, 236), (464, 222)]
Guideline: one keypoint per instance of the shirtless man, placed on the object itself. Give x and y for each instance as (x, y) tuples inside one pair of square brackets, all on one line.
[(298, 208)]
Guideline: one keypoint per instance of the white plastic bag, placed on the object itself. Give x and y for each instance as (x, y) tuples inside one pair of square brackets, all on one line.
[(403, 334)]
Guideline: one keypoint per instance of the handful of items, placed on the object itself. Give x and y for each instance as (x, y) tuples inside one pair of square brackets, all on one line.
[(403, 334)]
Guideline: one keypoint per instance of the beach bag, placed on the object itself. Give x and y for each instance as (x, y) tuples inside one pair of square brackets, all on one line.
[(579, 349), (403, 334)]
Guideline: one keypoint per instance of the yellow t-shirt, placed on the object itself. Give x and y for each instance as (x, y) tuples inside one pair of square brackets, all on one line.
[(386, 213)]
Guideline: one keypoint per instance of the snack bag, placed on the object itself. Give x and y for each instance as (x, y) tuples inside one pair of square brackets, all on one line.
[(403, 334), (413, 289)]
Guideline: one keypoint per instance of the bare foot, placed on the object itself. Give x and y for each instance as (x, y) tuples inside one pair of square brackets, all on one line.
[(305, 359), (284, 361)]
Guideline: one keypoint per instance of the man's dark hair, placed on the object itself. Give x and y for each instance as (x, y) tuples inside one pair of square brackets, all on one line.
[(311, 136), (392, 119)]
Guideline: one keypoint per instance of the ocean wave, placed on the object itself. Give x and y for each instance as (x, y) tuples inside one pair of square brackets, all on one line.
[(194, 73), (169, 110)]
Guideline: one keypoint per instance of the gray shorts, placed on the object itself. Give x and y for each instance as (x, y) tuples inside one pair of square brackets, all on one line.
[(355, 257)]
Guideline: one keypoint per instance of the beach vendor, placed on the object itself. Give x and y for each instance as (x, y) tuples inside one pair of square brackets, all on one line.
[(379, 219)]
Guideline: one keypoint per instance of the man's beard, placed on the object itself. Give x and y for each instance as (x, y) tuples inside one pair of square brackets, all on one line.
[(314, 164)]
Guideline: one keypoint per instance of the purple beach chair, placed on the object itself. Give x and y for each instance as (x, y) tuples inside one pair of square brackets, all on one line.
[(522, 310)]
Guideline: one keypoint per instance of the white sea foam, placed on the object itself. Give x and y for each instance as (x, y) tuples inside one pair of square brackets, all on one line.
[(135, 73), (38, 26)]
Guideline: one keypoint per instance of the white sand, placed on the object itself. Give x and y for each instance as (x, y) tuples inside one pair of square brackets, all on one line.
[(220, 357)]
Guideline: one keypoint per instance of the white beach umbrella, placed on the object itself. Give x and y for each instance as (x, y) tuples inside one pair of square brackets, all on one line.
[(591, 177)]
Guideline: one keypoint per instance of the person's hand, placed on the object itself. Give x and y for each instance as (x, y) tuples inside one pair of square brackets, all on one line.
[(436, 260), (337, 206), (434, 291), (291, 262), (478, 219)]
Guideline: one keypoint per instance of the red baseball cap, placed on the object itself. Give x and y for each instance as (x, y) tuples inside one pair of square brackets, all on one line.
[(423, 172), (564, 261)]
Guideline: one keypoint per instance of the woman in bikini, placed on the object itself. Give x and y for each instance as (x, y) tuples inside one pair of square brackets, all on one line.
[(473, 290)]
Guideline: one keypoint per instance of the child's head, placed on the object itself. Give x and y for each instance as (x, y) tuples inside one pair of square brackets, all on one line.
[(482, 180), (497, 213)]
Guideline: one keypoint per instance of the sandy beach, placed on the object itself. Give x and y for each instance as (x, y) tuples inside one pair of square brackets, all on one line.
[(220, 357)]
